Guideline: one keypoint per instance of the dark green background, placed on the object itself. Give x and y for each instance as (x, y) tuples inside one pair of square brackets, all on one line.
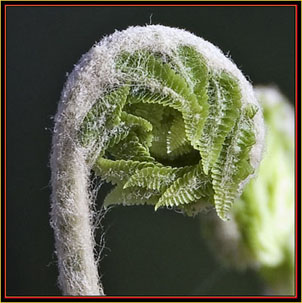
[(146, 253)]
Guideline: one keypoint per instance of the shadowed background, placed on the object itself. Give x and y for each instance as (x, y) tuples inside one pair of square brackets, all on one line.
[(146, 253)]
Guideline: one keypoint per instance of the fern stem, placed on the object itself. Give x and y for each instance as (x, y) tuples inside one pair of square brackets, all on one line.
[(72, 221)]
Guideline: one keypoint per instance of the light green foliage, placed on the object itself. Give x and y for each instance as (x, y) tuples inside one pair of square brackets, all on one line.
[(191, 187), (118, 170), (131, 196), (233, 164), (177, 142), (180, 136), (156, 178), (103, 116), (224, 109)]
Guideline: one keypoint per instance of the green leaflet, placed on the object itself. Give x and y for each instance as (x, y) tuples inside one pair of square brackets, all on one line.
[(130, 196), (224, 101), (177, 93), (191, 112), (172, 134), (103, 116), (118, 133), (150, 112), (195, 68), (154, 114), (135, 121), (161, 118), (191, 187), (143, 64), (119, 170), (233, 165), (160, 132), (131, 149), (141, 127), (177, 142), (196, 71), (156, 178)]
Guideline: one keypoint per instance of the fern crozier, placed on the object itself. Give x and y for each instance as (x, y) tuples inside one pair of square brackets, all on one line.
[(164, 116)]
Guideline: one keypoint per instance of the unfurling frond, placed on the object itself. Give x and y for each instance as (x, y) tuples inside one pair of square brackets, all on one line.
[(178, 130)]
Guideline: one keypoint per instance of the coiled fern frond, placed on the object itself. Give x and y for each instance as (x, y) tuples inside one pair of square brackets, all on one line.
[(197, 113), (164, 116)]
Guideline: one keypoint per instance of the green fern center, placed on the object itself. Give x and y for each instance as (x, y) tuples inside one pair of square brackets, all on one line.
[(175, 134)]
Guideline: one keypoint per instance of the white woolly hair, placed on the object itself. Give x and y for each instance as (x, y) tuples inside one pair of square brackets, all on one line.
[(92, 78)]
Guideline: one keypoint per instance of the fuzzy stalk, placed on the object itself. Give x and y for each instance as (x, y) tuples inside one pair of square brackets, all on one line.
[(72, 220)]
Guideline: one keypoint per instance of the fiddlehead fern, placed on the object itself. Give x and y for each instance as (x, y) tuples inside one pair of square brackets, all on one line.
[(162, 114)]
